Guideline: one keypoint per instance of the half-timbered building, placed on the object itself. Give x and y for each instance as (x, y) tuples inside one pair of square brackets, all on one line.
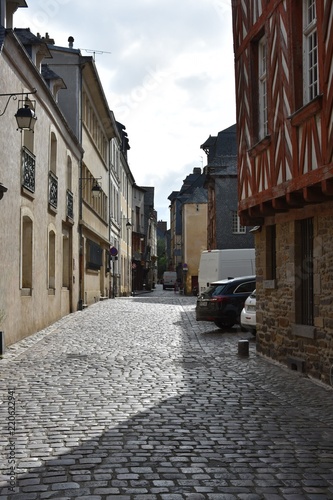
[(284, 96)]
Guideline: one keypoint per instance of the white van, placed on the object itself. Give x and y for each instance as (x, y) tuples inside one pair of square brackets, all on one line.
[(169, 279), (221, 264)]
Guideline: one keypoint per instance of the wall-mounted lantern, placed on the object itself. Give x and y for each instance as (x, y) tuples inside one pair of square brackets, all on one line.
[(96, 188), (3, 190), (25, 115)]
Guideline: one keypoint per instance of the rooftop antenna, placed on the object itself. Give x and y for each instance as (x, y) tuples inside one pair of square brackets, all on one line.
[(94, 52)]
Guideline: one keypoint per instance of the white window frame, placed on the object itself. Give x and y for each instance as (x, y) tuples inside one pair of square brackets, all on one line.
[(237, 228), (262, 81), (310, 51)]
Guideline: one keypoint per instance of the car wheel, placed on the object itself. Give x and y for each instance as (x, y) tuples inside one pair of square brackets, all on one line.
[(226, 323)]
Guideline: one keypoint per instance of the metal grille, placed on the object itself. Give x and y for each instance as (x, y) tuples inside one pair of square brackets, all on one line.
[(53, 189), (70, 204), (28, 170), (307, 271)]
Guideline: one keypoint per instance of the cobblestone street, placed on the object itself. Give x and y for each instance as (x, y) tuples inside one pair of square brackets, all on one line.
[(133, 399)]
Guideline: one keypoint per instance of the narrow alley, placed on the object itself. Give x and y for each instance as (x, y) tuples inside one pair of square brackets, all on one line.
[(131, 398)]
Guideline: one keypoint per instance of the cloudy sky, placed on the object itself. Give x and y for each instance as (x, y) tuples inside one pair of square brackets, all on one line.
[(166, 67)]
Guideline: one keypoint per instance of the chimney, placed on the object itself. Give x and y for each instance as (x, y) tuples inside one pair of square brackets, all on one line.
[(7, 11), (48, 40), (70, 42)]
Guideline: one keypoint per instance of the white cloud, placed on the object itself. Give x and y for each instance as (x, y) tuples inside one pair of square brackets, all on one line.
[(166, 67)]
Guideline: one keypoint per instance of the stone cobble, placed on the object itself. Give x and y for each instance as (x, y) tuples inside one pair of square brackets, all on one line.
[(133, 399)]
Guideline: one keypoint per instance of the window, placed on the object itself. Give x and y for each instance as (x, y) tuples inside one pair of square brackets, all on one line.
[(69, 194), (53, 154), (53, 179), (304, 272), (98, 204), (270, 253), (262, 91), (52, 260), (91, 122), (94, 255), (310, 51), (28, 170), (28, 140), (69, 173), (27, 252), (66, 259), (237, 228), (28, 160), (246, 287)]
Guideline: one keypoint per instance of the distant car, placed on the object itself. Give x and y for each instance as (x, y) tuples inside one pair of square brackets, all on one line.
[(248, 315), (224, 300)]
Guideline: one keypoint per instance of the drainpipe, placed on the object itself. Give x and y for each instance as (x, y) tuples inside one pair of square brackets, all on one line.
[(81, 249)]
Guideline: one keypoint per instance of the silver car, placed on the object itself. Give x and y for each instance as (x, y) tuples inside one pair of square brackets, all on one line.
[(248, 315)]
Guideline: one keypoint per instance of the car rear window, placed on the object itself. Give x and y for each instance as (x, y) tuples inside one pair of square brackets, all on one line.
[(245, 287), (214, 290), (218, 290)]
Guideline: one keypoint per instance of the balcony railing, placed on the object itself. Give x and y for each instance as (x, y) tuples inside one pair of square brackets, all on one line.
[(53, 190), (70, 204), (28, 170)]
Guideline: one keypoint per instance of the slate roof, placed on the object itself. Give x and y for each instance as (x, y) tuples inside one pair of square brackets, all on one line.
[(192, 181), (199, 195), (48, 74), (221, 151), (28, 39)]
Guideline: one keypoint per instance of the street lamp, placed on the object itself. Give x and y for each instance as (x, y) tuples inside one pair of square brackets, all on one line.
[(3, 190), (25, 115), (96, 188)]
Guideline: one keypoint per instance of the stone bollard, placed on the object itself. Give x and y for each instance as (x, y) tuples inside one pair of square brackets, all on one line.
[(2, 343), (243, 347)]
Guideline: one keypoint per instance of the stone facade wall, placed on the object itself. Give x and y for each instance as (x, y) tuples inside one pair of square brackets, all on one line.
[(278, 334)]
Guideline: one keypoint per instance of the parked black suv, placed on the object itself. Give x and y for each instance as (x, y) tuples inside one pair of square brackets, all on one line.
[(224, 300)]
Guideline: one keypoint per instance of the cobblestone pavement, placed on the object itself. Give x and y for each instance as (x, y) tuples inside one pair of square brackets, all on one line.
[(133, 399)]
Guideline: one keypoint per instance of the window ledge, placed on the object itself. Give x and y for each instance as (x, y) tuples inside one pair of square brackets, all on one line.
[(260, 146), (26, 192), (26, 292), (52, 209), (310, 109)]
